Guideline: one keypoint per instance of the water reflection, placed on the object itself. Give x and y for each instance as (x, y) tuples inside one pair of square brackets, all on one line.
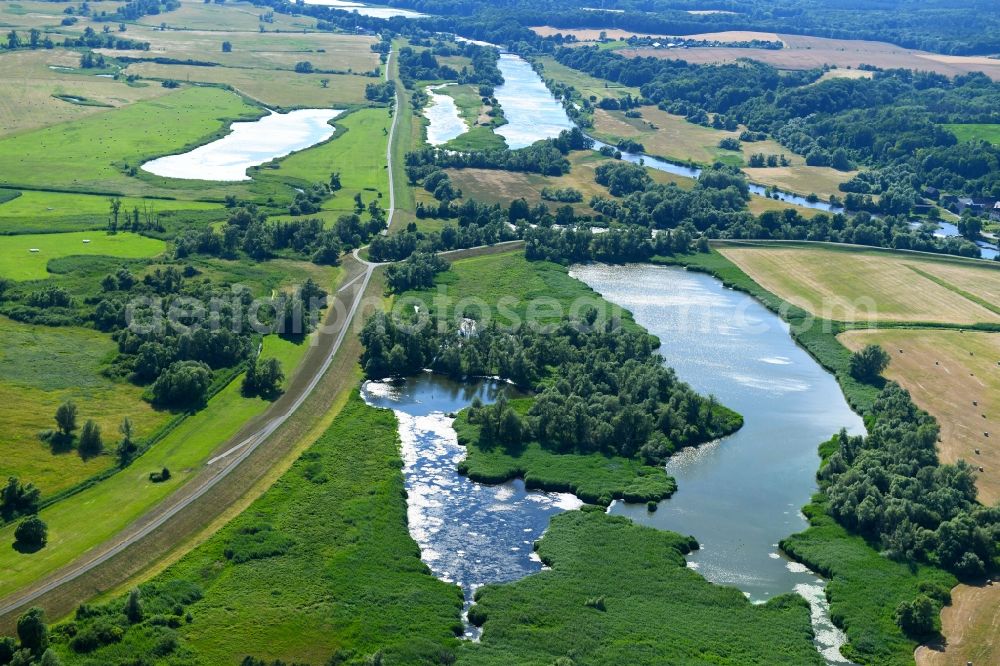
[(367, 10), (444, 122), (739, 496), (469, 533), (532, 112), (248, 144)]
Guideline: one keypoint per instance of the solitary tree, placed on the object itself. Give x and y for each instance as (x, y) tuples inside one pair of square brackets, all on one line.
[(324, 83), (32, 632), (126, 446), (335, 181), (227, 47), (133, 607), (32, 532), (91, 444), (868, 363), (66, 418), (916, 618)]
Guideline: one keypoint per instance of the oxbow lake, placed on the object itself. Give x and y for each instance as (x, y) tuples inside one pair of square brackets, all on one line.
[(248, 144), (738, 496), (443, 121)]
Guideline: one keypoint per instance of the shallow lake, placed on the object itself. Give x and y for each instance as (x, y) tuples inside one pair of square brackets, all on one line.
[(366, 10), (741, 495), (444, 122), (469, 533), (248, 144)]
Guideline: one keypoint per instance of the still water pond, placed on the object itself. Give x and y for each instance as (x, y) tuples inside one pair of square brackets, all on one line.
[(741, 495), (248, 144), (443, 121)]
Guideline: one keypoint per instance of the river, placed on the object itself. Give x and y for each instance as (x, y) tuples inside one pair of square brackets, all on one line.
[(738, 497), (248, 144)]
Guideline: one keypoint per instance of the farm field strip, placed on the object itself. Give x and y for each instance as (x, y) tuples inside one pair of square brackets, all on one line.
[(847, 285)]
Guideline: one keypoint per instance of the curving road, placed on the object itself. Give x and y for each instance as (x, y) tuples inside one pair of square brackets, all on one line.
[(347, 299)]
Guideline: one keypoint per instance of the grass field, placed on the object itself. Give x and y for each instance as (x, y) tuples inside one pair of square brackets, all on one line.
[(521, 282), (946, 372), (42, 211), (274, 87), (804, 52), (40, 368), (111, 505), (346, 575), (672, 137), (234, 16), (18, 262), (28, 85), (666, 135), (327, 51), (970, 625), (850, 284), (841, 73), (357, 151), (799, 178), (493, 186), (973, 132), (90, 154)]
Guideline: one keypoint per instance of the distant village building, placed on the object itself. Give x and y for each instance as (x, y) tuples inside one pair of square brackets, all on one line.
[(995, 213)]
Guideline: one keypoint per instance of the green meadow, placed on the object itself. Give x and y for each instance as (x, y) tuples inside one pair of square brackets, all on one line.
[(976, 132), (321, 564), (20, 261), (94, 153), (40, 368), (109, 506), (42, 211), (356, 150), (620, 593)]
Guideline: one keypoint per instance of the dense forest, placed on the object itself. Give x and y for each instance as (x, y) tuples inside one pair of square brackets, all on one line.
[(598, 386)]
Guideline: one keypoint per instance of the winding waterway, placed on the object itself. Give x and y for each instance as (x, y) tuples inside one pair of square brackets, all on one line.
[(741, 495), (531, 111), (248, 144)]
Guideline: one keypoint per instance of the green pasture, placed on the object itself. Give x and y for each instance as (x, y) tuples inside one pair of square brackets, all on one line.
[(92, 154), (20, 261)]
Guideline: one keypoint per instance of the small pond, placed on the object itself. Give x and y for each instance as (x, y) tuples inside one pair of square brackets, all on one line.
[(248, 144), (444, 122), (469, 533)]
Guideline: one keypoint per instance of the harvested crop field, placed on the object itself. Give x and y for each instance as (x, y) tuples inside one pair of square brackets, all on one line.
[(802, 52), (854, 284), (955, 376)]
